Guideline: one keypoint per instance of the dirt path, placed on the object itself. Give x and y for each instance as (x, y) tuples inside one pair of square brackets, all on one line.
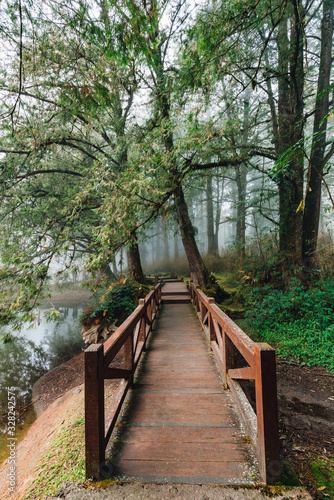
[(306, 411)]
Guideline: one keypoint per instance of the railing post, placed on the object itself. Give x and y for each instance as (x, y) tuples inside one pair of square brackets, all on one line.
[(142, 331), (197, 302), (154, 304), (203, 312), (267, 412), (129, 354), (149, 311), (212, 334), (228, 356), (94, 410)]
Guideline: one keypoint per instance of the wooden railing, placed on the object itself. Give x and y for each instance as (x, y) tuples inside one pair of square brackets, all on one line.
[(231, 346), (132, 334)]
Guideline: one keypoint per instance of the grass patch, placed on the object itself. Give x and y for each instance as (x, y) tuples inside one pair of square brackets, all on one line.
[(65, 462), (323, 472)]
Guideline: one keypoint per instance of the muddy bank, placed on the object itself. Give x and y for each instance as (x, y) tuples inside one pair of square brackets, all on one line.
[(38, 443), (57, 382)]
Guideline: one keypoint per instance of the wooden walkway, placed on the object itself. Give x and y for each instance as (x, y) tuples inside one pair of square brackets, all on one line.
[(180, 425)]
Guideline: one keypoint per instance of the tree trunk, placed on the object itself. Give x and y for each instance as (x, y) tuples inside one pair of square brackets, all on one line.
[(107, 272), (134, 263), (220, 200), (176, 246), (290, 120), (196, 265), (198, 271), (241, 177), (212, 241), (313, 191), (165, 241)]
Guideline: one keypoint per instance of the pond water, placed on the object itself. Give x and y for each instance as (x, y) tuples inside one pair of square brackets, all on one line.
[(29, 355)]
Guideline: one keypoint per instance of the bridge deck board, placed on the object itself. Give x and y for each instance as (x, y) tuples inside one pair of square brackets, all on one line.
[(180, 425)]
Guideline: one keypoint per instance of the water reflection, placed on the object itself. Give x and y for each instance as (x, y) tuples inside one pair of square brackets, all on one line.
[(21, 364), (33, 352), (29, 355)]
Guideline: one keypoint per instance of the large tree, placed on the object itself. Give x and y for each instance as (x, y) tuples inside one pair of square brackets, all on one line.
[(320, 153)]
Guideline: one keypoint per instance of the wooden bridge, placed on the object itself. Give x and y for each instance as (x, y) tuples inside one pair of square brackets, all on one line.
[(203, 404)]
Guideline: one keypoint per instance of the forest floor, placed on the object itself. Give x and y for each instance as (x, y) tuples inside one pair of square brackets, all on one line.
[(306, 414), (306, 411)]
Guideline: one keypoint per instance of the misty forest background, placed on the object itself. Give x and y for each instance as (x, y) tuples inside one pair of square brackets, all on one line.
[(157, 136)]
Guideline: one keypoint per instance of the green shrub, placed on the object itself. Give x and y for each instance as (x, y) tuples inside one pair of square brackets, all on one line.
[(116, 304), (118, 301), (298, 322)]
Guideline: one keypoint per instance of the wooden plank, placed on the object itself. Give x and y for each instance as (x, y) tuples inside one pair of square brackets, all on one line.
[(239, 471), (177, 404), (138, 353), (185, 452), (153, 415), (218, 333), (187, 379), (246, 373), (114, 373), (172, 435)]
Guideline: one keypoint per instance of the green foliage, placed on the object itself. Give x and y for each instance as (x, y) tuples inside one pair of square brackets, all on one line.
[(213, 289), (118, 301), (116, 304), (323, 472), (288, 475), (298, 322)]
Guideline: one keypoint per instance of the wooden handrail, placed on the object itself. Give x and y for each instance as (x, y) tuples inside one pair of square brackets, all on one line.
[(224, 336), (99, 424)]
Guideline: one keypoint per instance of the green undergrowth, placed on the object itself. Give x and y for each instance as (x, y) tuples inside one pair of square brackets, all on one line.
[(298, 322), (323, 473), (116, 304), (288, 475), (64, 463), (229, 281)]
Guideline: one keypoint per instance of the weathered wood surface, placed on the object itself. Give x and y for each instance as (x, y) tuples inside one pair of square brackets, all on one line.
[(131, 336), (230, 346), (175, 293), (180, 425)]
